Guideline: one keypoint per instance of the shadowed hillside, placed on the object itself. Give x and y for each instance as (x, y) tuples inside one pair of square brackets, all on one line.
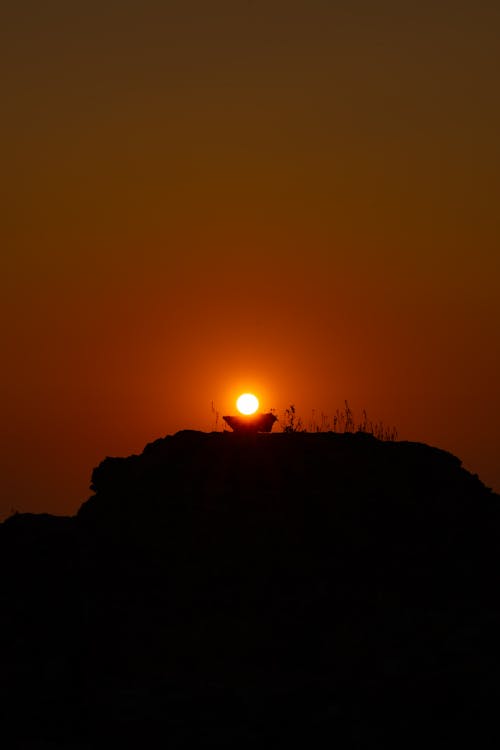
[(231, 590)]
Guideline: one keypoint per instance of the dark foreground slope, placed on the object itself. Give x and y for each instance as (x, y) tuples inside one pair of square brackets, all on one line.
[(225, 590)]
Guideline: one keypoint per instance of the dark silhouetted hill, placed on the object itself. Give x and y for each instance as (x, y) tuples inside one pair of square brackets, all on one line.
[(224, 590)]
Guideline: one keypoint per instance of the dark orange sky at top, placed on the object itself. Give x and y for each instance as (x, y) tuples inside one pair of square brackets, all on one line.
[(298, 199)]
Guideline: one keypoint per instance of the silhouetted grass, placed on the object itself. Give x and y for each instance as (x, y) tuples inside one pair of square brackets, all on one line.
[(342, 421)]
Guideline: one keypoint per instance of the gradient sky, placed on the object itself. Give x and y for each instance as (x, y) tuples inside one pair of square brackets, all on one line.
[(297, 198)]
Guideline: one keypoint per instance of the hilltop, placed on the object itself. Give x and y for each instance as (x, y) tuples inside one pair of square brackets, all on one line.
[(224, 590)]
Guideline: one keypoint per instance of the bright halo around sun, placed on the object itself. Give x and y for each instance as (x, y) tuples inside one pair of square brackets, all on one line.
[(247, 403)]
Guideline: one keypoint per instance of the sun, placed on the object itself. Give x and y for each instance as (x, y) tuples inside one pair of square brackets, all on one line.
[(247, 403)]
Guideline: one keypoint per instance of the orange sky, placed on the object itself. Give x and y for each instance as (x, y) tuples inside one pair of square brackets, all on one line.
[(297, 198)]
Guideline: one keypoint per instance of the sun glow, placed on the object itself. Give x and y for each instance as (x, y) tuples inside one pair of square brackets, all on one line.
[(247, 403)]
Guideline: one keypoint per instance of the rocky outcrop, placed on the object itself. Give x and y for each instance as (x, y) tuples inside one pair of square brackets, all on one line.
[(234, 590)]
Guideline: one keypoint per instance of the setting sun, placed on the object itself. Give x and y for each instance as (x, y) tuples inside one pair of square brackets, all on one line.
[(247, 403)]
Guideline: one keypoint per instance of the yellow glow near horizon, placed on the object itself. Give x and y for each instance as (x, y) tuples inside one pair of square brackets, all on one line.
[(247, 403)]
